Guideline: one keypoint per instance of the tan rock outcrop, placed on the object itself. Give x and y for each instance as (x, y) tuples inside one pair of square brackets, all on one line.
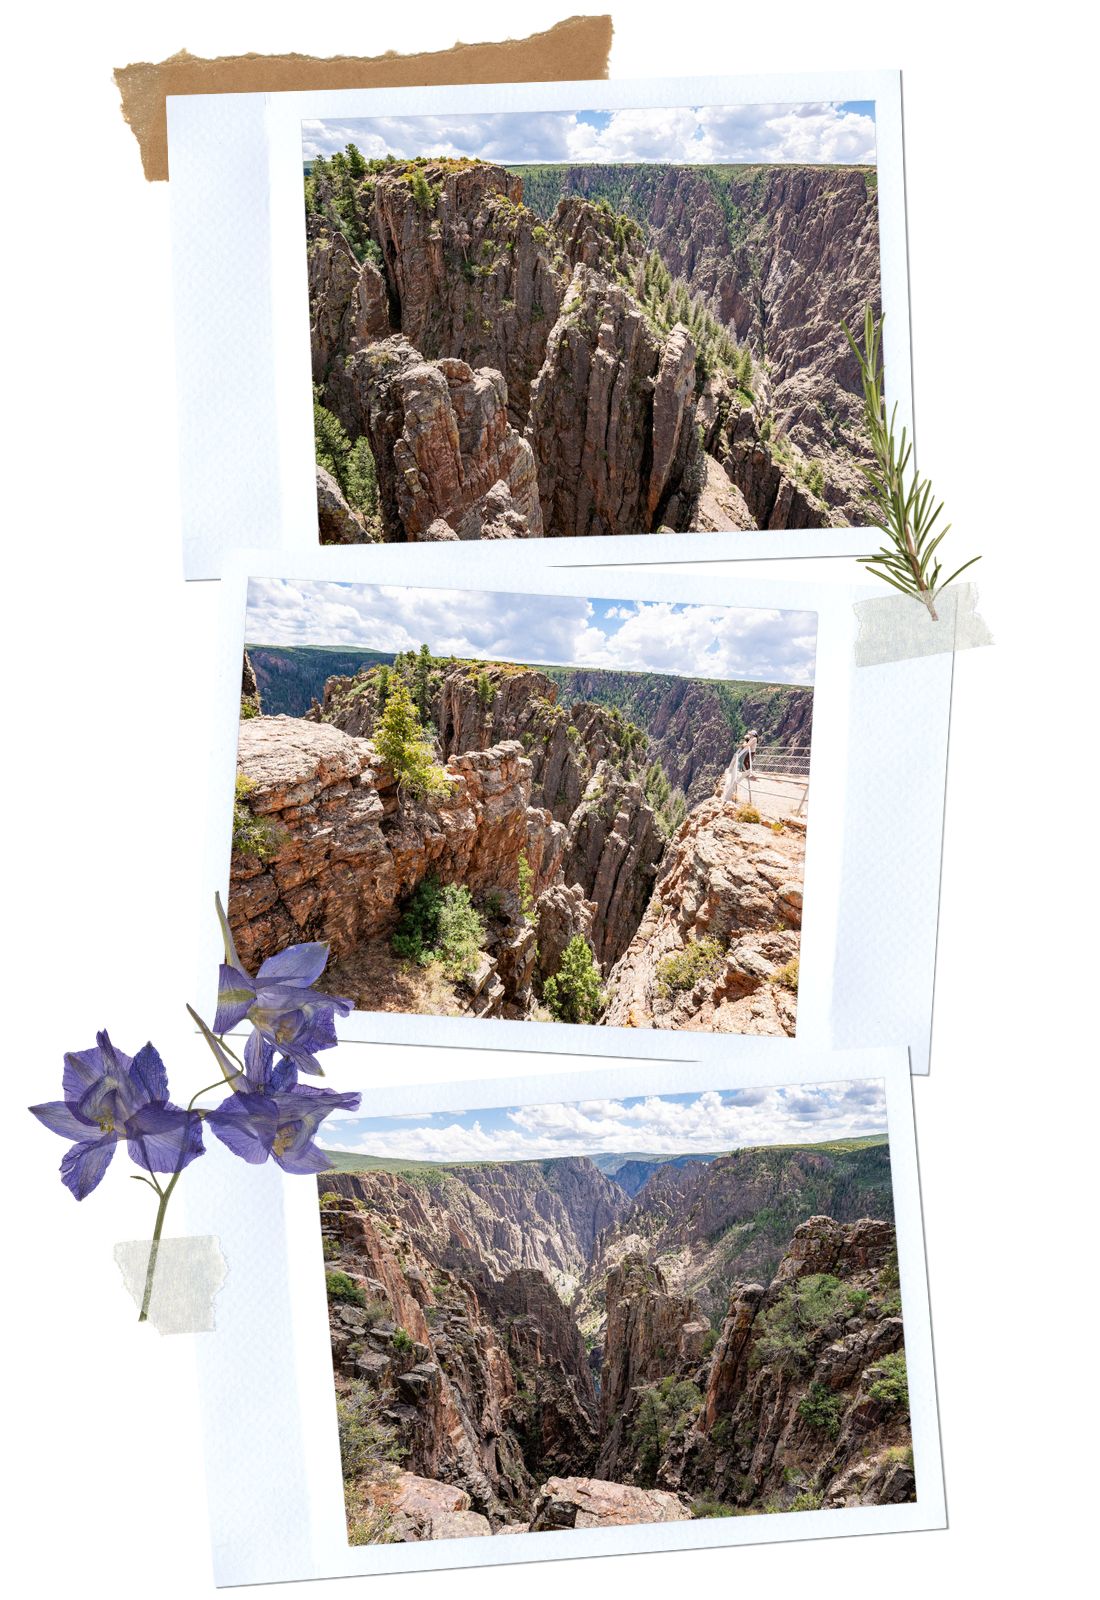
[(726, 913), (594, 1503), (346, 847)]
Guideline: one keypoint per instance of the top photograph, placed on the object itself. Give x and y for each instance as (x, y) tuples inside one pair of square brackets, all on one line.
[(553, 324)]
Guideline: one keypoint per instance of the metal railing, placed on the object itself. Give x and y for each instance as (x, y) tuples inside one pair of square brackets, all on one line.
[(784, 761)]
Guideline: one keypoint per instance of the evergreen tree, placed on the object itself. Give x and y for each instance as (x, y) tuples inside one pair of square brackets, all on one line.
[(383, 689), (574, 994), (357, 165), (399, 740), (422, 683)]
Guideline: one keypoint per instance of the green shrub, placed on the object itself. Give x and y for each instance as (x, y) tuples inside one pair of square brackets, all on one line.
[(712, 1508), (787, 975), (808, 1500), (747, 814), (814, 478), (526, 887), (574, 993), (890, 1382), (710, 1339), (252, 835), (343, 1289), (821, 1408), (400, 742), (889, 1284), (418, 930), (368, 1444), (440, 924), (249, 709), (801, 1308), (461, 932), (857, 1299), (683, 970), (486, 693), (402, 1340), (666, 1409), (424, 193)]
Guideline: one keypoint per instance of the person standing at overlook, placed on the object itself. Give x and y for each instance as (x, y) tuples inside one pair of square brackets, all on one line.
[(740, 767)]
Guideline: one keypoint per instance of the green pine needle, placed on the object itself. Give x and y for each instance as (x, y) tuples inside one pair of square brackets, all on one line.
[(903, 513)]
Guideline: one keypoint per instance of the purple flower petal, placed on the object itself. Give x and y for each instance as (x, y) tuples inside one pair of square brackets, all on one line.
[(236, 993), (303, 1158), (298, 966), (164, 1138), (284, 1076), (84, 1165), (148, 1075), (60, 1117), (85, 1067), (246, 1124), (258, 1057)]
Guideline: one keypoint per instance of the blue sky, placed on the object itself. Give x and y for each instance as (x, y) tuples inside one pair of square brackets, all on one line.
[(700, 641), (676, 1124), (823, 131)]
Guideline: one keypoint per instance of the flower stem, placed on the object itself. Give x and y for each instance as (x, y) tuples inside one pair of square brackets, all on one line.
[(155, 1247)]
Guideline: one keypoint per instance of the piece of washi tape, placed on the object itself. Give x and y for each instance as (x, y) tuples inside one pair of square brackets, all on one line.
[(899, 628), (186, 1279)]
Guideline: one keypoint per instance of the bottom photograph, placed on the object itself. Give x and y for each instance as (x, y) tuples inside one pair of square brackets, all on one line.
[(655, 1309)]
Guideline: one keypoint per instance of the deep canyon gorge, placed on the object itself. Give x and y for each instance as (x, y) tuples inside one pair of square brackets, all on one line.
[(537, 1345)]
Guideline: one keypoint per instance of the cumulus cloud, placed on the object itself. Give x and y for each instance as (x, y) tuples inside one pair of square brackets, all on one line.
[(762, 645), (657, 1124), (822, 131)]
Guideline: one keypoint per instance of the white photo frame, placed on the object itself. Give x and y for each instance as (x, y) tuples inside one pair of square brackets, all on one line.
[(247, 471), (265, 1381), (878, 769)]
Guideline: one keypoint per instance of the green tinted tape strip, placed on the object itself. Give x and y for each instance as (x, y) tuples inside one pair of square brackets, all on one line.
[(898, 628)]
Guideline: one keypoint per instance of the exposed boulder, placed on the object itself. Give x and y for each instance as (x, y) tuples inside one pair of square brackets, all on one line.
[(594, 1503), (562, 913), (250, 689), (337, 521)]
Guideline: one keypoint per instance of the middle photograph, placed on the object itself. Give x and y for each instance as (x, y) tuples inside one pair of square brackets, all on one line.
[(536, 808)]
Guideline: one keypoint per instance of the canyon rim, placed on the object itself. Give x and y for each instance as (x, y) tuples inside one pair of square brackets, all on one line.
[(531, 807), (581, 324), (614, 1312)]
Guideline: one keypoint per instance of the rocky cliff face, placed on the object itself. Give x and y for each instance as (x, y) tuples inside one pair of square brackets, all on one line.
[(806, 1402), (782, 255), (484, 351), (466, 1391), (706, 1226), (693, 727), (345, 848), (716, 945), (612, 419)]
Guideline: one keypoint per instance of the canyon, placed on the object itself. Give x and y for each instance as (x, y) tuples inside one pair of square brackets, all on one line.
[(587, 850), (527, 1346), (543, 352)]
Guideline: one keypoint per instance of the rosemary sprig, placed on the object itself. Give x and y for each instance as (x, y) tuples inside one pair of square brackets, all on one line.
[(903, 513)]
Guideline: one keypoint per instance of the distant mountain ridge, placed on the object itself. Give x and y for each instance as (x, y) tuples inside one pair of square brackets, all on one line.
[(291, 677)]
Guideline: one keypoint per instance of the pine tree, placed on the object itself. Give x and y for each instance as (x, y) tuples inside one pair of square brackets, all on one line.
[(574, 994), (383, 689), (422, 683), (399, 740)]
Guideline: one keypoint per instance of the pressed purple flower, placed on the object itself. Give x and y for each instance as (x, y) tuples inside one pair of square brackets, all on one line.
[(281, 1003), (281, 1124), (111, 1096)]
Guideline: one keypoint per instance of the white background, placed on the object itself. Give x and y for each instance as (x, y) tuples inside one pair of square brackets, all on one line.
[(106, 737)]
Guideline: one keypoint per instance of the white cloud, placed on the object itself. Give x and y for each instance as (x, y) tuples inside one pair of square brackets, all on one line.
[(655, 636), (709, 1122), (819, 132)]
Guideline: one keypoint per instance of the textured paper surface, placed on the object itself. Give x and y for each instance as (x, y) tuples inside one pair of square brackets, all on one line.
[(576, 48), (895, 627)]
